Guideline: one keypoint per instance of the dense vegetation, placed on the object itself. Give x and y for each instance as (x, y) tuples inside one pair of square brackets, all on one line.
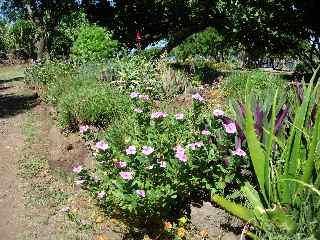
[(171, 128)]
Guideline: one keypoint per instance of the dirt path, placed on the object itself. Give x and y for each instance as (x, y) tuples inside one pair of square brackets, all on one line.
[(12, 105), (35, 165)]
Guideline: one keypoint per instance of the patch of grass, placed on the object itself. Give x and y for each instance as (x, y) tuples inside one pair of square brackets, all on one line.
[(259, 83), (11, 72), (32, 166)]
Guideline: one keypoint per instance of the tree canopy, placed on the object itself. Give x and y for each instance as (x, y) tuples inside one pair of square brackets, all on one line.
[(274, 27)]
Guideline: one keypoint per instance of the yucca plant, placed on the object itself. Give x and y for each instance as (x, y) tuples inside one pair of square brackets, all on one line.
[(286, 167)]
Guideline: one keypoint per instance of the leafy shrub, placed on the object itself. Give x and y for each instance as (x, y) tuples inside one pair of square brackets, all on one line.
[(287, 169), (91, 103), (257, 82), (136, 72), (206, 43), (93, 44), (164, 163), (48, 72), (66, 33)]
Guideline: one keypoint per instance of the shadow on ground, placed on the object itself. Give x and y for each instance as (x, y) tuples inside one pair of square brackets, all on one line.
[(12, 103), (15, 79)]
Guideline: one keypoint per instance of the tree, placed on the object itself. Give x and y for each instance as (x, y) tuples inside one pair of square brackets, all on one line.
[(45, 15)]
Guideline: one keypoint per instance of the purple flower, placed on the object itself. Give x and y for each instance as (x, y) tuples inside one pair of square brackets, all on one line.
[(138, 110), (120, 164), (218, 113), (158, 115), (230, 128), (239, 152), (83, 129), (144, 97), (101, 194), (77, 169), (134, 94), (141, 193), (79, 182), (131, 150), (102, 146), (226, 162), (163, 164), (197, 97), (65, 209), (147, 150), (205, 132), (179, 116), (126, 175), (180, 153)]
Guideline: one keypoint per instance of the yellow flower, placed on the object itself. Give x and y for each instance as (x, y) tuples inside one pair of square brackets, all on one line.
[(167, 225), (181, 232), (204, 233)]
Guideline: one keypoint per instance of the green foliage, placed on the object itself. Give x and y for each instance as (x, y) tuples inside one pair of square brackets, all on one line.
[(184, 164), (208, 43), (91, 103), (49, 72), (23, 34), (286, 168), (137, 72), (66, 33), (257, 82), (93, 44)]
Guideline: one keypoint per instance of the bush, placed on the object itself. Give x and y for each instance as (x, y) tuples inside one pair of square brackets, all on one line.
[(91, 103), (93, 44), (164, 164), (136, 72), (257, 82)]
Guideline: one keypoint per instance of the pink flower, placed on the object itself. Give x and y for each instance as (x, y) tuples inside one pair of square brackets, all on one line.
[(195, 145), (144, 97), (157, 115), (141, 193), (180, 153), (79, 182), (77, 169), (163, 164), (138, 110), (83, 129), (120, 164), (239, 152), (102, 146), (134, 94), (218, 113), (179, 116), (131, 150), (126, 175), (101, 194), (197, 97), (230, 128), (205, 132), (147, 150)]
